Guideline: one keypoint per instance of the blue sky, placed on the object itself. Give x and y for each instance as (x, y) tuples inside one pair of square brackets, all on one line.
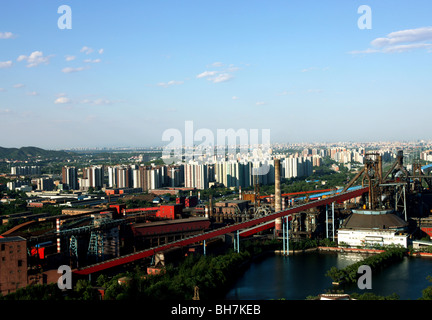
[(127, 71)]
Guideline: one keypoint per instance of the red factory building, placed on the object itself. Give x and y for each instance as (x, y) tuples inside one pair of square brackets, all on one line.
[(153, 234), (166, 226)]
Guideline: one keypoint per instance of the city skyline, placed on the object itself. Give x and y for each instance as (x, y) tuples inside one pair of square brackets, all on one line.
[(124, 74)]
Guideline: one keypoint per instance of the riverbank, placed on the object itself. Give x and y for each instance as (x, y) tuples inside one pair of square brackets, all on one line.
[(421, 254), (276, 277), (333, 249), (351, 250)]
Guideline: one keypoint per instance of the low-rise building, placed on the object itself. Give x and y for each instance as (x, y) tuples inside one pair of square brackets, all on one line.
[(366, 228), (13, 264)]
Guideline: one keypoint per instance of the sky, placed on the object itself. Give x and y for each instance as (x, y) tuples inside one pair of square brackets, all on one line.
[(127, 71)]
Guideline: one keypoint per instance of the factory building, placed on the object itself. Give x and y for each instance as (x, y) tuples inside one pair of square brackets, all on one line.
[(13, 264), (365, 228)]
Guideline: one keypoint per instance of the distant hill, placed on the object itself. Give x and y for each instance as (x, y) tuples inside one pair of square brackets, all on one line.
[(30, 152)]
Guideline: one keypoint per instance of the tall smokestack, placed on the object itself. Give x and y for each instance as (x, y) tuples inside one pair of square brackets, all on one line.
[(278, 201), (210, 206), (380, 173)]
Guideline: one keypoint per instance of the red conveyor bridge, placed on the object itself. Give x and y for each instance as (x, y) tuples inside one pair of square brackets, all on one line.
[(249, 227)]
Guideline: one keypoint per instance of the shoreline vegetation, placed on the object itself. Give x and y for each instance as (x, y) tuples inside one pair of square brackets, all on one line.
[(377, 262), (211, 276)]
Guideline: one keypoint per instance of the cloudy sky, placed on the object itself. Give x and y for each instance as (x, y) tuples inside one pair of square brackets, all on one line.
[(129, 70)]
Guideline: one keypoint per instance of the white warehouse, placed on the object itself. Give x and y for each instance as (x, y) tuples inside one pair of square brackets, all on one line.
[(365, 228)]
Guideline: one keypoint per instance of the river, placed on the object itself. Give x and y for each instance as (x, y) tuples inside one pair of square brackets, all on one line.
[(301, 275)]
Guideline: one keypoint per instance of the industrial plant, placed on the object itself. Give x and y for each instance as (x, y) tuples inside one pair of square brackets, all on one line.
[(375, 208)]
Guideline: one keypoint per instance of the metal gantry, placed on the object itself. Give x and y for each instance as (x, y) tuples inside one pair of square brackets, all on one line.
[(236, 241), (96, 245), (285, 236), (400, 201), (330, 232), (73, 247)]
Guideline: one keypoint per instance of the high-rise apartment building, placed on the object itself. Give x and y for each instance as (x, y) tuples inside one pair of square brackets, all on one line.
[(70, 177), (45, 184), (233, 173), (93, 177), (175, 175), (120, 177), (196, 175), (294, 167), (26, 170)]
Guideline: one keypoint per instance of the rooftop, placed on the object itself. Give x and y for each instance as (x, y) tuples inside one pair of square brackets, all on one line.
[(374, 221), (11, 239)]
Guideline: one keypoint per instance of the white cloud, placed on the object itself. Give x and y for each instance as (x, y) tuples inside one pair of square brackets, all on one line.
[(33, 93), (218, 76), (6, 35), (217, 64), (5, 111), (70, 58), (71, 70), (5, 64), (206, 74), (215, 76), (406, 47), (169, 83), (221, 78), (2, 90), (19, 85), (86, 50), (232, 68), (34, 59), (97, 102), (366, 51), (308, 69), (101, 51), (400, 41), (62, 100), (235, 98), (260, 103), (314, 91), (285, 92), (92, 61), (403, 36)]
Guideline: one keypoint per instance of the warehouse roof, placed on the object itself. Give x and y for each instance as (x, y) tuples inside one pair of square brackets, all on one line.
[(11, 239), (374, 221)]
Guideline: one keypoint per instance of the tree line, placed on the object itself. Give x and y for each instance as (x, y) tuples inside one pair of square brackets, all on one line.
[(376, 262)]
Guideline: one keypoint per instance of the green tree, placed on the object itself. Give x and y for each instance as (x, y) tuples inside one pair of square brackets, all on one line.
[(427, 293)]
